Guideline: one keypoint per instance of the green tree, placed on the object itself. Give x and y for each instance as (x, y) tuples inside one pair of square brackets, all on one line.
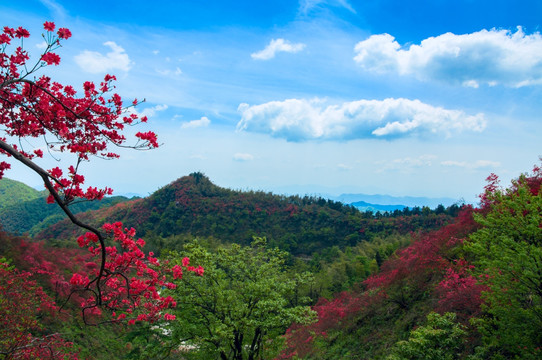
[(240, 307), (508, 255), (441, 339)]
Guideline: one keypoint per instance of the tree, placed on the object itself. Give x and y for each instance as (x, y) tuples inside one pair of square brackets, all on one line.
[(507, 252), (440, 339), (85, 125), (240, 308)]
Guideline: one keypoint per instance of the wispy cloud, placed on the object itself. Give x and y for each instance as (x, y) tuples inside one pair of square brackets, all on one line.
[(95, 62), (203, 122), (149, 111), (489, 57), (54, 7), (300, 119), (479, 164), (243, 157), (306, 6), (276, 46), (406, 164), (344, 167), (169, 72)]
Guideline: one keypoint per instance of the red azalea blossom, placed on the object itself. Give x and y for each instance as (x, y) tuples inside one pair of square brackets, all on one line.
[(64, 33), (121, 277), (4, 39), (51, 58), (49, 26), (21, 33)]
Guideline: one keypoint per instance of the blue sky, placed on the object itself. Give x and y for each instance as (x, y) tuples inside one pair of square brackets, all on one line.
[(420, 98)]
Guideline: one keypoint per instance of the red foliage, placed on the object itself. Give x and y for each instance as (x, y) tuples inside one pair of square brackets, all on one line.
[(122, 278), (22, 302), (533, 182), (45, 109), (426, 257), (427, 260), (299, 338), (131, 280), (460, 292)]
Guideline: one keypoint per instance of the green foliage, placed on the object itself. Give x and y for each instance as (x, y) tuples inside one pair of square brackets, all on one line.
[(240, 307), (34, 215), (14, 192), (440, 339), (193, 206), (508, 254)]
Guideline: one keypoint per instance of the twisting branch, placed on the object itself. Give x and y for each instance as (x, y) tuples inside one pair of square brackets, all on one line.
[(126, 280), (46, 177)]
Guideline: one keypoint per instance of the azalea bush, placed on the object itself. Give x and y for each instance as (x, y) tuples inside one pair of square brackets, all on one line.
[(120, 277)]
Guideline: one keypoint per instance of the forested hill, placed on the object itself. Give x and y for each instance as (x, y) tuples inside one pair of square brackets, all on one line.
[(194, 206), (14, 192), (25, 210)]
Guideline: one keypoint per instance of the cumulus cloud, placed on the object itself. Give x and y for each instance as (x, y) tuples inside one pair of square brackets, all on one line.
[(489, 57), (480, 164), (243, 157), (95, 62), (276, 46), (203, 122), (299, 119)]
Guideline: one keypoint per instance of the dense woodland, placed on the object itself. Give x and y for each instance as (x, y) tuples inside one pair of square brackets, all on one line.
[(417, 284)]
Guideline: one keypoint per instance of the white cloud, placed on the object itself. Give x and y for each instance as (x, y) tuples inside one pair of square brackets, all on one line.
[(95, 62), (407, 163), (243, 157), (276, 46), (486, 57), (300, 119), (42, 45), (203, 122), (148, 112), (480, 164), (344, 167), (168, 72)]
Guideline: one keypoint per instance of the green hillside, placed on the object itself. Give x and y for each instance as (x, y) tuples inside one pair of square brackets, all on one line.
[(15, 192), (24, 209), (193, 206)]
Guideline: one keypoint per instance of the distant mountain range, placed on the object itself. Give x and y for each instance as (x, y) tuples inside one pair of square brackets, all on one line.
[(390, 203), (365, 206), (363, 201)]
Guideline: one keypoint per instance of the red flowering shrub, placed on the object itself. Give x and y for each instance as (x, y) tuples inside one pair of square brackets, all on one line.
[(120, 277), (22, 303), (460, 292)]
